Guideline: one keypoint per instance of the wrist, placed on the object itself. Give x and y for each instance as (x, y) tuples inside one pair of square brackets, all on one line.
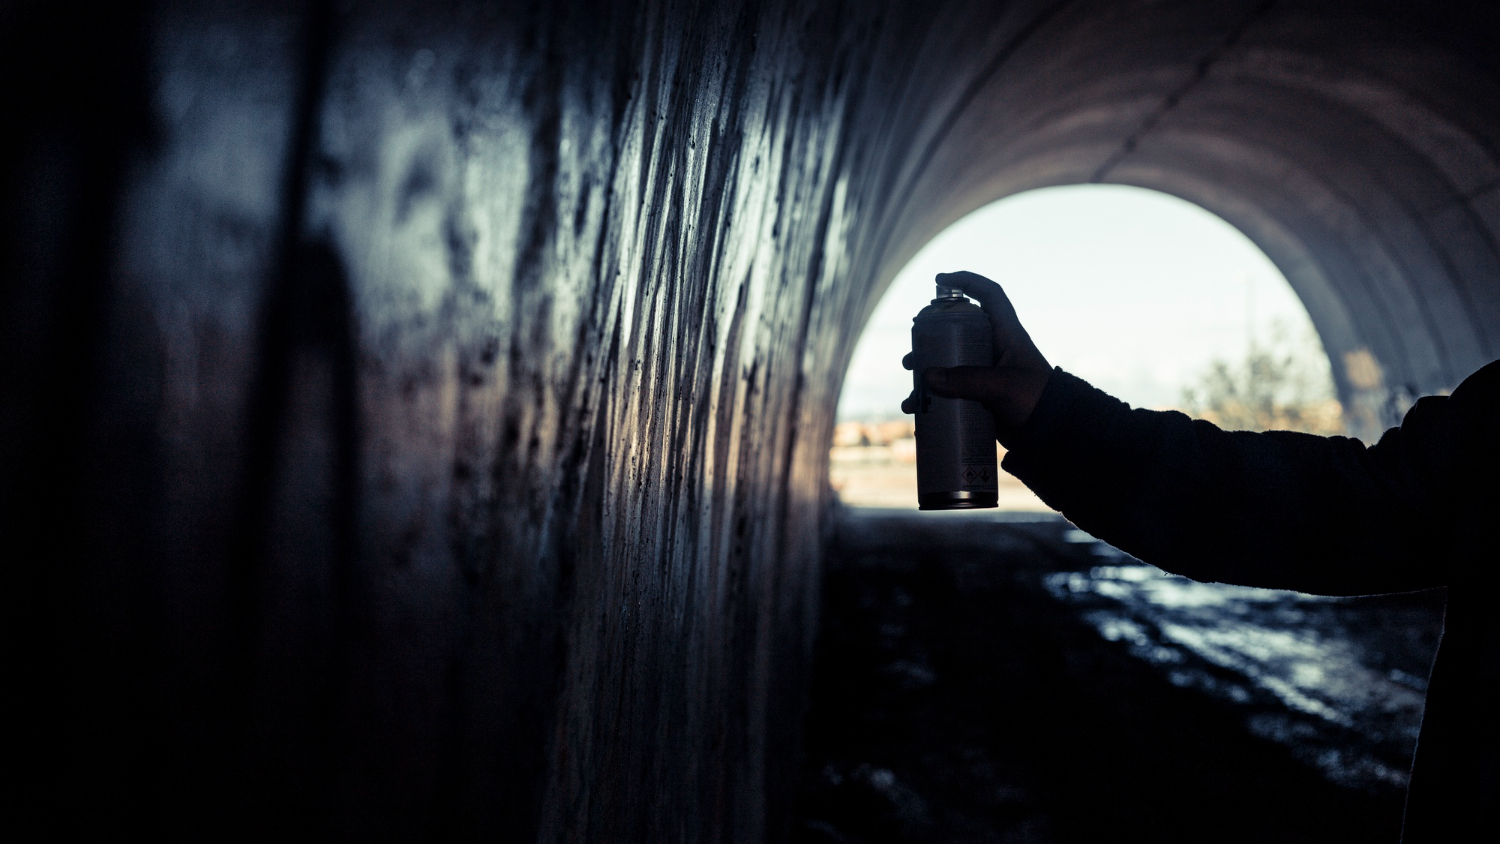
[(1023, 388)]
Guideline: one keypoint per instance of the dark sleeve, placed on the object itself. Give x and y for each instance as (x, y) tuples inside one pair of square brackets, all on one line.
[(1278, 509)]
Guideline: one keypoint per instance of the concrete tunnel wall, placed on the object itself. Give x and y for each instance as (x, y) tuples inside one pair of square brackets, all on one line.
[(416, 415)]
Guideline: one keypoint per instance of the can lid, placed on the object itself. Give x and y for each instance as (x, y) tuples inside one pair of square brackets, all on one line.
[(949, 292)]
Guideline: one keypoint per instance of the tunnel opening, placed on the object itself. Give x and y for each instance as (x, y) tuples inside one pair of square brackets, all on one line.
[(1359, 175), (1149, 297)]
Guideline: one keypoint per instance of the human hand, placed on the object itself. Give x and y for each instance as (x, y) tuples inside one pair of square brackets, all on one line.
[(1011, 386)]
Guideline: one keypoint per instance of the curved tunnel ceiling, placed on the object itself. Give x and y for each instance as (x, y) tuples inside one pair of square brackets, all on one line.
[(1363, 162)]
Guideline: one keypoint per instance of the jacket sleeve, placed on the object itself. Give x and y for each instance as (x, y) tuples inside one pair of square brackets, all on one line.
[(1283, 510)]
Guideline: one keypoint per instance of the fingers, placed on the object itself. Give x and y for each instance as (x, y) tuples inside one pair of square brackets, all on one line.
[(976, 383), (906, 361), (1013, 346), (970, 283), (991, 296), (1009, 392), (909, 404)]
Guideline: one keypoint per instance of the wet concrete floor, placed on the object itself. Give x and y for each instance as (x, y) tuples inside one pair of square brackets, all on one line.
[(991, 677)]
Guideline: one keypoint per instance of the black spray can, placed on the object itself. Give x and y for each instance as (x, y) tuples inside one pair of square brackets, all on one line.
[(956, 467)]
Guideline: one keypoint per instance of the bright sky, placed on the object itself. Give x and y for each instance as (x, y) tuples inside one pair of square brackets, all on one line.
[(1131, 289)]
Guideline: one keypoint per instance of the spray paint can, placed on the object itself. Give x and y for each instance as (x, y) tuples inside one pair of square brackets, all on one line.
[(956, 467)]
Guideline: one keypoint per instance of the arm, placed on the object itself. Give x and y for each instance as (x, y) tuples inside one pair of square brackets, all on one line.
[(1275, 509)]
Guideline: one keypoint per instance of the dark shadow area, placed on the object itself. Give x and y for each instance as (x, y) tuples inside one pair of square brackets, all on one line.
[(980, 678)]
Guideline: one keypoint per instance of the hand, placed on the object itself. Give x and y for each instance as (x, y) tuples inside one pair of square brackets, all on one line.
[(1011, 387)]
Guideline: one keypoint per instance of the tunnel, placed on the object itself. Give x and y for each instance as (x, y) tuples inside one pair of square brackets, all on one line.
[(416, 415)]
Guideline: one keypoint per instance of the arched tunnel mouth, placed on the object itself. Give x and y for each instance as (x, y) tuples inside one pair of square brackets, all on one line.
[(1372, 191), (1395, 316), (1151, 298)]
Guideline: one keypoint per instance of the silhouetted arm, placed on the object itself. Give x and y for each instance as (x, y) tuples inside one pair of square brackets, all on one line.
[(1278, 509)]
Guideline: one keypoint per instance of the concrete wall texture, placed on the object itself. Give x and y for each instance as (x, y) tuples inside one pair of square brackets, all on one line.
[(415, 415)]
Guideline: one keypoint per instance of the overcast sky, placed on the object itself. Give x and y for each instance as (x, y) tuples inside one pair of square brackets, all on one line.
[(1131, 289)]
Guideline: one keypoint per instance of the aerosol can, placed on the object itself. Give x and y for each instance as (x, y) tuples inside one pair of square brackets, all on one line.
[(956, 467)]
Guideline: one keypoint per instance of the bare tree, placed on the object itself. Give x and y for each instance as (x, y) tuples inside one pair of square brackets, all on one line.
[(1283, 385)]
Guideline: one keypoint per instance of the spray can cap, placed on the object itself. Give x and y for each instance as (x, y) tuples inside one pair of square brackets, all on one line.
[(949, 292)]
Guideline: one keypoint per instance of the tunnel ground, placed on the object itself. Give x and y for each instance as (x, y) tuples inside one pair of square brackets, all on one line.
[(963, 692)]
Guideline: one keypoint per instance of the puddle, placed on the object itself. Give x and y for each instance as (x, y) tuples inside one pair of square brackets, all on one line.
[(1316, 674)]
